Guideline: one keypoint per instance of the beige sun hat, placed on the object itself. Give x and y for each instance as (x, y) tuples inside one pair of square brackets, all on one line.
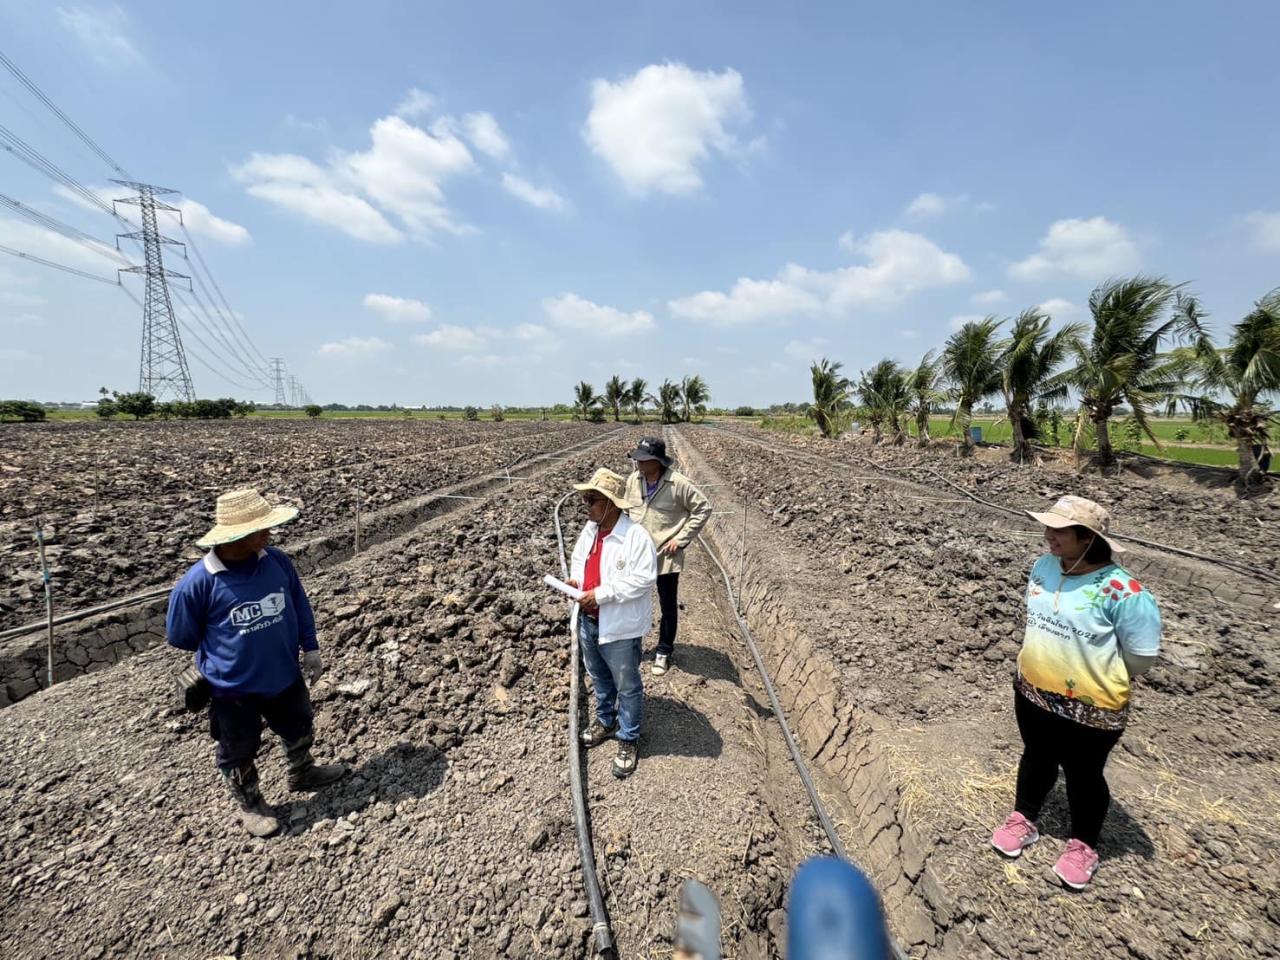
[(1071, 511), (242, 512), (610, 484)]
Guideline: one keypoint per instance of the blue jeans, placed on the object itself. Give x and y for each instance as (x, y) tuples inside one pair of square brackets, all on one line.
[(615, 675)]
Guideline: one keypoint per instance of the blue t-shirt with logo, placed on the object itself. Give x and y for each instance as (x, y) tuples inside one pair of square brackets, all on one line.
[(246, 622)]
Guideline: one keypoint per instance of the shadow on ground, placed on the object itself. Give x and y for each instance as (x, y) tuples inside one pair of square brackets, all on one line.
[(674, 729)]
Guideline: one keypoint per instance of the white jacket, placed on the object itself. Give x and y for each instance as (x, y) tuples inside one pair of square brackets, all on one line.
[(628, 571)]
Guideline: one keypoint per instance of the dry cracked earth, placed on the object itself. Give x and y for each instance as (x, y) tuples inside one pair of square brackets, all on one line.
[(447, 691)]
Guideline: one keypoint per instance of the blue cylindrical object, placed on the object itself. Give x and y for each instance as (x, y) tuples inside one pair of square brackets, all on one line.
[(976, 433), (834, 914)]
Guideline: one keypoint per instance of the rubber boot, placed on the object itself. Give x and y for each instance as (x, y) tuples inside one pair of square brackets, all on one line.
[(256, 816), (304, 772)]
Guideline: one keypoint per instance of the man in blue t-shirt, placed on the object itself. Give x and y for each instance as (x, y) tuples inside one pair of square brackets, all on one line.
[(243, 611)]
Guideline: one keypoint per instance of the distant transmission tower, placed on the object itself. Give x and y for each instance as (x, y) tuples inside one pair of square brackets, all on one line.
[(293, 391), (163, 371), (277, 369)]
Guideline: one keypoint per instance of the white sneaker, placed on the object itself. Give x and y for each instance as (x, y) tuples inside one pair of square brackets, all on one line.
[(661, 662)]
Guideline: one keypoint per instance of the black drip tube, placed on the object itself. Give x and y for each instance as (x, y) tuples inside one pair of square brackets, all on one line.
[(599, 919)]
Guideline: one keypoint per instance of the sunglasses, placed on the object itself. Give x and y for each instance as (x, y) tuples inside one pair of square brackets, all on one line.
[(591, 499)]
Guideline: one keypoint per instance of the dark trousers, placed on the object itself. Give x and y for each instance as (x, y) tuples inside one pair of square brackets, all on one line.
[(1049, 742), (236, 722), (668, 585)]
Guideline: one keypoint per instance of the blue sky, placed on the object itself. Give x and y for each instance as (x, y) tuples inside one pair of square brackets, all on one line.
[(485, 202)]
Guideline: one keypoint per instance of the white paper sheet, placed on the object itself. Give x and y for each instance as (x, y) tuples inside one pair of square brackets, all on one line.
[(573, 593)]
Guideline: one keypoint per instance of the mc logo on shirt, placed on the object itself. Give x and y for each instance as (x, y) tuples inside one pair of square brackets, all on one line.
[(246, 613)]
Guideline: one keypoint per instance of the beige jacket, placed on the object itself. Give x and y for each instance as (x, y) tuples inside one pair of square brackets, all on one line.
[(676, 511)]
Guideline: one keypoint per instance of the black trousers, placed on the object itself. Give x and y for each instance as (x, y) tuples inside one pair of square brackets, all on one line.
[(668, 586), (1049, 742), (236, 722)]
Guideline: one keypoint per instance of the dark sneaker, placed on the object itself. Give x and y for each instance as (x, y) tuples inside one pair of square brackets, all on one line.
[(597, 733), (624, 764), (661, 664)]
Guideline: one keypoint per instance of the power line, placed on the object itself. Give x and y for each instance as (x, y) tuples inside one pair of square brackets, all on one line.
[(191, 242), (60, 266), (66, 230), (71, 124)]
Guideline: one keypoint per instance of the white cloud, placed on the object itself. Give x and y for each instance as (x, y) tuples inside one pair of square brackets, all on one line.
[(450, 337), (1058, 308), (416, 103), (401, 174), (531, 333), (846, 242), (404, 170), (1090, 249), (987, 297), (483, 132), (955, 323), (201, 220), (806, 350), (398, 309), (928, 205), (571, 312), (657, 126), (898, 264), (1266, 230), (544, 198), (354, 348), (749, 301), (486, 361), (102, 33), (298, 185)]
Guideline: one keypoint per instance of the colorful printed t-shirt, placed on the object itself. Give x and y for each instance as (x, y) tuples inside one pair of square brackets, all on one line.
[(1072, 662)]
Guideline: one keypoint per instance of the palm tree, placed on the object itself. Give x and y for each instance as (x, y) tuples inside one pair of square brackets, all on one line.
[(615, 395), (1031, 354), (583, 400), (1245, 372), (883, 390), (1122, 362), (695, 394), (636, 395), (666, 401), (830, 397), (971, 361), (924, 387)]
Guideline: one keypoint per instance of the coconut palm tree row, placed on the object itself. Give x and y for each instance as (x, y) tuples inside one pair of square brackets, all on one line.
[(1149, 348), (674, 402)]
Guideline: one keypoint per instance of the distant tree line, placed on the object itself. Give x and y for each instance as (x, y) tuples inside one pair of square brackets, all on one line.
[(142, 406), (673, 403), (1148, 349)]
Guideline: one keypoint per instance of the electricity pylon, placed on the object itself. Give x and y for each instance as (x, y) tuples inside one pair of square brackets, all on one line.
[(277, 368), (163, 370)]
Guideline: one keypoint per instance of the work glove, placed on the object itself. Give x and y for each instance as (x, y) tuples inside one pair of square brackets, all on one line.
[(312, 666)]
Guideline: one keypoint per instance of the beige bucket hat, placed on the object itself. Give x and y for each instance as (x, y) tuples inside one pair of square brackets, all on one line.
[(607, 482), (242, 512), (1071, 511)]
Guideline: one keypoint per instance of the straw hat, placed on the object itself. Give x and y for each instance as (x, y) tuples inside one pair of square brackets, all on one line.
[(242, 512), (610, 484), (1072, 511)]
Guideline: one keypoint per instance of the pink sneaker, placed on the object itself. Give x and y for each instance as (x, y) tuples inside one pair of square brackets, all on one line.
[(1014, 835), (1077, 865)]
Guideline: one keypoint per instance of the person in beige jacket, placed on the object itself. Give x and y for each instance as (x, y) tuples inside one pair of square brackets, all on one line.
[(673, 510)]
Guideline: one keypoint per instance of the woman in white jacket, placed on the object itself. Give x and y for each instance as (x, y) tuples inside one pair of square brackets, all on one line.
[(615, 565)]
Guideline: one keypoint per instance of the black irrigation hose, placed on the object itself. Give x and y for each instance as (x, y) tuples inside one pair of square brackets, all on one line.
[(599, 919), (837, 845), (1240, 568)]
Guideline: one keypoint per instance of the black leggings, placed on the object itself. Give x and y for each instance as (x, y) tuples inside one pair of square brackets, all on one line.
[(1049, 742)]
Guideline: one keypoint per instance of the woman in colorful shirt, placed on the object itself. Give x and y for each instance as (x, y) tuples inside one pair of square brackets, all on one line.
[(1091, 628)]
